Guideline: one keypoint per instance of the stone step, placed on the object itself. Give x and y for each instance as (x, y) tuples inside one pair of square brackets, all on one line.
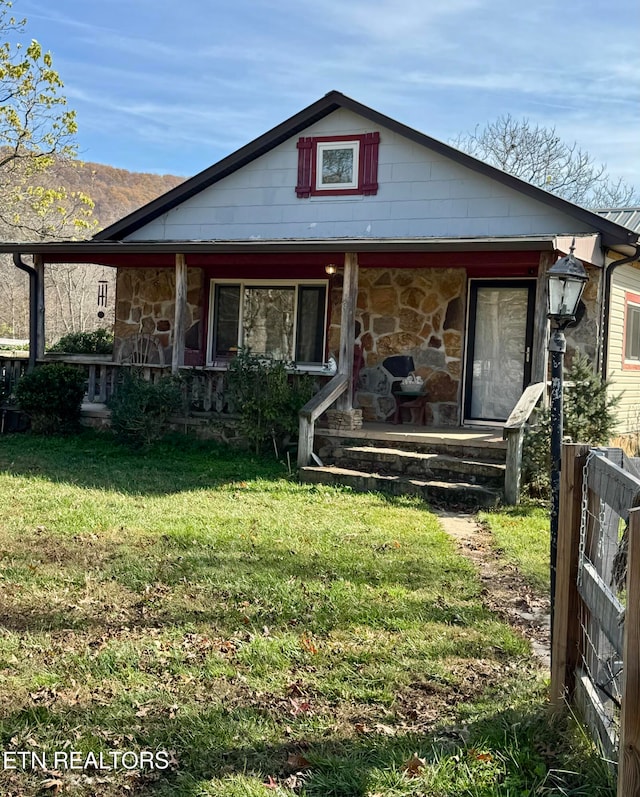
[(445, 494), (443, 467), (485, 450)]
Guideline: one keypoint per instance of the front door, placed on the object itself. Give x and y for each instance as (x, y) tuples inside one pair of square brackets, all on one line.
[(499, 343)]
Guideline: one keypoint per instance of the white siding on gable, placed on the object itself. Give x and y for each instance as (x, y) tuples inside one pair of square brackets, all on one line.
[(421, 195), (626, 279)]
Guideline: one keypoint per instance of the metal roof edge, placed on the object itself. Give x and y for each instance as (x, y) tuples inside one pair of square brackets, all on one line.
[(513, 243)]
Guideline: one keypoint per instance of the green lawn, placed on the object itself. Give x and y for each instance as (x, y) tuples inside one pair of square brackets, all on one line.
[(521, 534), (259, 636)]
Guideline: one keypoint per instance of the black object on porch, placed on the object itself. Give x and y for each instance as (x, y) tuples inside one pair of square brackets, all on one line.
[(400, 366)]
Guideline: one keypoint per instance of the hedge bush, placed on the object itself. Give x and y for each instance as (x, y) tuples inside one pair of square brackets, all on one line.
[(51, 395), (589, 417), (100, 341), (267, 398), (140, 410)]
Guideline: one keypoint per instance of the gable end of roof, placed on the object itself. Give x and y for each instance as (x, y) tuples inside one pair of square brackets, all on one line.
[(612, 231)]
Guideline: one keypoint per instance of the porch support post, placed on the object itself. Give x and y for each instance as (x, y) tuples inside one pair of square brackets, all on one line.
[(180, 320), (539, 354), (38, 265), (347, 327)]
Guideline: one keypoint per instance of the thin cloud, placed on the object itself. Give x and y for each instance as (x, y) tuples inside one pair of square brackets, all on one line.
[(194, 80)]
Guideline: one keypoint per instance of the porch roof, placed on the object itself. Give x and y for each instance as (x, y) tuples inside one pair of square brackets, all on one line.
[(116, 253)]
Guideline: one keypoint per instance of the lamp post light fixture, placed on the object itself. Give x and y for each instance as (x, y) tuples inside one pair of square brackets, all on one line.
[(567, 279)]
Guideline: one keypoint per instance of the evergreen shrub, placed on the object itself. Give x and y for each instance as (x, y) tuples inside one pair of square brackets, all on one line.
[(589, 417), (99, 341), (267, 399), (51, 395)]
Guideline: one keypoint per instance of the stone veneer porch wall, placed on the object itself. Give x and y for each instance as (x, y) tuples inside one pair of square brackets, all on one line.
[(417, 312), (145, 304), (584, 336)]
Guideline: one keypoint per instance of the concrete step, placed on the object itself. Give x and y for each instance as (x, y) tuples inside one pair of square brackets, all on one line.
[(443, 467), (486, 449), (440, 493)]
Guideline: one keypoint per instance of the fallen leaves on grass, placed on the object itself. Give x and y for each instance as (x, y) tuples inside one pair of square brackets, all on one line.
[(478, 756), (300, 707), (52, 785), (414, 766), (308, 645), (298, 762)]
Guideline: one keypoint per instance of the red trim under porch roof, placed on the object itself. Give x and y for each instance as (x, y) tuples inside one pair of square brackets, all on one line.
[(312, 264)]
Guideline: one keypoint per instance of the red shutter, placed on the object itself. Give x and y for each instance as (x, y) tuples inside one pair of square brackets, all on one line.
[(305, 155), (370, 163)]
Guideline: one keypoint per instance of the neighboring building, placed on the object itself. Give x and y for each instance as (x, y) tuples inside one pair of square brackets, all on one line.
[(446, 260), (621, 356)]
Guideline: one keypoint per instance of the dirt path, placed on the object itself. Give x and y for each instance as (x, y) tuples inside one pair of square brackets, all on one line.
[(504, 590)]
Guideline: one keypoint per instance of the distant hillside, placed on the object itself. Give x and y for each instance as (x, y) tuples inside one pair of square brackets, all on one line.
[(71, 289), (115, 192)]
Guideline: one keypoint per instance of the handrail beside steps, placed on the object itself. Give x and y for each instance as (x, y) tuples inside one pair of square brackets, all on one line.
[(513, 433), (312, 410)]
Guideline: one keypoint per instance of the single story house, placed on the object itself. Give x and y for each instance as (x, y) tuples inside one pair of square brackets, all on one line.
[(344, 236)]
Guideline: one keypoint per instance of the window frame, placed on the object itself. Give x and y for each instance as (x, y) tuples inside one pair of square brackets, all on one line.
[(327, 146), (631, 305), (365, 182), (222, 363)]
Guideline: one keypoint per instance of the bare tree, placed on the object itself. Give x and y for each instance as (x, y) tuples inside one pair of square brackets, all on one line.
[(539, 156), (71, 299)]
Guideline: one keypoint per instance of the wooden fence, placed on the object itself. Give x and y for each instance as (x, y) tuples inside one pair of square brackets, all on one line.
[(595, 657), (11, 369)]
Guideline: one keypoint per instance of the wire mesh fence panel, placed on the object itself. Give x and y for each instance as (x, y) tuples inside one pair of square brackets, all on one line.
[(609, 491)]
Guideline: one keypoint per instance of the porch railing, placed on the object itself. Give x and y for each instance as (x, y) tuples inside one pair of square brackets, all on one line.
[(312, 410), (12, 367), (513, 433), (204, 388)]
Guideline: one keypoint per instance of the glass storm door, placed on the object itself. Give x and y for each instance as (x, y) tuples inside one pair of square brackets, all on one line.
[(498, 348)]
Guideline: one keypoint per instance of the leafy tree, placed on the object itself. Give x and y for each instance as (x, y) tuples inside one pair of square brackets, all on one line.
[(37, 131), (539, 156), (35, 124)]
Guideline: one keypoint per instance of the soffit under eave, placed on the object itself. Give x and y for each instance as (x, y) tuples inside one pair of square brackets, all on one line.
[(587, 248)]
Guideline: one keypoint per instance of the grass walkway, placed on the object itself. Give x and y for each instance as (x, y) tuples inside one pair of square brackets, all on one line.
[(521, 535), (251, 636)]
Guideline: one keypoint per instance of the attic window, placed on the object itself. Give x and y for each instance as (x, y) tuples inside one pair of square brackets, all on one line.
[(335, 165)]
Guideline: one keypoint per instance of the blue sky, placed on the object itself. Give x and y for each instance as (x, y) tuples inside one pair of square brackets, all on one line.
[(172, 87)]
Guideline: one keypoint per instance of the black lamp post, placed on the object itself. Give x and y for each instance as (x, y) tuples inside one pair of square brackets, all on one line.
[(567, 278)]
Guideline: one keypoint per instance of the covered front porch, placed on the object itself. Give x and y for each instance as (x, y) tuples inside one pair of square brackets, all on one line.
[(469, 316)]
